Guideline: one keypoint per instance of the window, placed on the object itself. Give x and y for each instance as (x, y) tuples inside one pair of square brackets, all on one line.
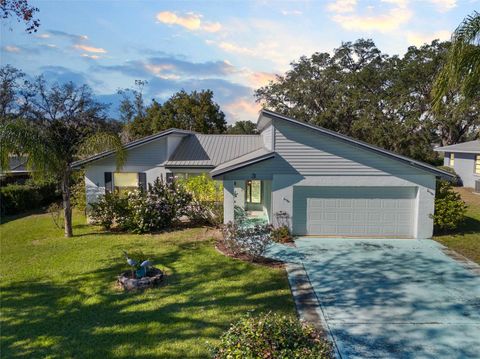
[(477, 164), (125, 181), (452, 160), (254, 191)]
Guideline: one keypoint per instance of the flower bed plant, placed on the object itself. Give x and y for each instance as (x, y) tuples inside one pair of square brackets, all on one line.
[(272, 335)]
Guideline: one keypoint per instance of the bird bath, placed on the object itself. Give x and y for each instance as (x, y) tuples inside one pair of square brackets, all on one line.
[(152, 278)]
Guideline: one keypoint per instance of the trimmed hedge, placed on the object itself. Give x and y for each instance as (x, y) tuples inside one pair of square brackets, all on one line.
[(18, 198)]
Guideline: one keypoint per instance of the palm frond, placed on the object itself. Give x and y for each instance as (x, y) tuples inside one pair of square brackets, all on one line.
[(104, 141), (22, 138), (462, 68)]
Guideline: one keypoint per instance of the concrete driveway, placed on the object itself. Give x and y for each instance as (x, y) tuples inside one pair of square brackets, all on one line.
[(394, 298)]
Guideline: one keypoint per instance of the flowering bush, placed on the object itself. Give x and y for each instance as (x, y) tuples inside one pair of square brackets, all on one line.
[(250, 241), (142, 211), (272, 335)]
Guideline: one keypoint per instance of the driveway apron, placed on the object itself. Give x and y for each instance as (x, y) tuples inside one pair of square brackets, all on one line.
[(392, 298)]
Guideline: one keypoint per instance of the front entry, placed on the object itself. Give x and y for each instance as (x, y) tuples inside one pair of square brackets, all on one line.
[(354, 211)]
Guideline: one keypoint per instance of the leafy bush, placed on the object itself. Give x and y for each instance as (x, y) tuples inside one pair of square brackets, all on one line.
[(282, 235), (250, 241), (18, 198), (79, 198), (272, 335), (142, 211), (456, 181), (207, 203), (109, 209), (449, 207)]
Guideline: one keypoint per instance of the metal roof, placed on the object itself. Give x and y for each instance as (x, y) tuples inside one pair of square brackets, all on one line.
[(465, 147), (382, 151), (211, 150), (242, 161), (129, 145)]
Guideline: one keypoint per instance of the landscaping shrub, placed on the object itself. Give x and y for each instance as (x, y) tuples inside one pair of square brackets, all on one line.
[(18, 198), (109, 209), (456, 181), (142, 211), (272, 335), (207, 203), (449, 207), (282, 235), (249, 241)]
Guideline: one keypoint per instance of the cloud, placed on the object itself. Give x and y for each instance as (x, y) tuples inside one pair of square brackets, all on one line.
[(73, 37), (444, 5), (62, 74), (12, 49), (42, 36), (96, 50), (243, 108), (346, 15), (342, 6), (232, 47), (291, 12), (172, 68), (190, 21), (419, 39), (259, 79), (92, 57)]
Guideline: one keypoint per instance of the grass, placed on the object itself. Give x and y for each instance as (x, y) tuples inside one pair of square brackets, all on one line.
[(58, 298), (466, 239)]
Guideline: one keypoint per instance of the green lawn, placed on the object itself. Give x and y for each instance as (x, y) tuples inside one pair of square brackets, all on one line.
[(58, 299), (466, 240)]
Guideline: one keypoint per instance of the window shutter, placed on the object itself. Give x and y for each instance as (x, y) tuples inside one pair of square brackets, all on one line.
[(108, 182), (142, 181)]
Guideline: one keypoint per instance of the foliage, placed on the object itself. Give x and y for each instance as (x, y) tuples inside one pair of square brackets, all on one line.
[(79, 199), (142, 211), (271, 335), (363, 93), (457, 180), (242, 128), (73, 279), (195, 111), (22, 11), (207, 199), (109, 209), (282, 235), (249, 241), (53, 125), (18, 198), (450, 209), (462, 68)]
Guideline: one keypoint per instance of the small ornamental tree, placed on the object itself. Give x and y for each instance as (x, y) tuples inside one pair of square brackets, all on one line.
[(449, 208)]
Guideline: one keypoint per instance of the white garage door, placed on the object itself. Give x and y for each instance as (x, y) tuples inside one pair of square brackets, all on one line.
[(354, 211)]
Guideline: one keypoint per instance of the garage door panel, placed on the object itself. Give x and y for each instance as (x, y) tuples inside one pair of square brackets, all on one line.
[(354, 211)]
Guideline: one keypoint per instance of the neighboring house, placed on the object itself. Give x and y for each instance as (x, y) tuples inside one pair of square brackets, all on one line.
[(464, 158), (17, 171), (326, 183)]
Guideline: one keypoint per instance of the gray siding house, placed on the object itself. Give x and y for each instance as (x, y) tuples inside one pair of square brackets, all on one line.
[(464, 158), (324, 183)]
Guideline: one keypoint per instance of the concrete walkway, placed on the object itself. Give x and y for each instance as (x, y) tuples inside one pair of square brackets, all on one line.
[(394, 298)]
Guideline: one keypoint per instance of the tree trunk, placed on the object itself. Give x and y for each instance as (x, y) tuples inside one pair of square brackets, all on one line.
[(67, 208)]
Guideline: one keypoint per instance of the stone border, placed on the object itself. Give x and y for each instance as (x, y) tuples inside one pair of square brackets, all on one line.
[(307, 303), (128, 283)]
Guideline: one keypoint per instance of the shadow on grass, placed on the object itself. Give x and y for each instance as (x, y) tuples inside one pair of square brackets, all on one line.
[(86, 317)]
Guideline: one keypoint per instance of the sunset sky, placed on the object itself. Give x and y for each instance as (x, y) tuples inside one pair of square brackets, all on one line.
[(231, 47)]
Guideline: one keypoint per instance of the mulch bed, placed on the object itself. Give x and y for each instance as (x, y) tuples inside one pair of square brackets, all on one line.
[(220, 247)]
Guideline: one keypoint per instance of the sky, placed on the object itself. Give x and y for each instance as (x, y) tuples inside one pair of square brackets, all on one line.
[(230, 47)]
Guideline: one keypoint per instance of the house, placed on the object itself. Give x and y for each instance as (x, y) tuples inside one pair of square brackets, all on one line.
[(464, 158), (325, 183), (17, 171)]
